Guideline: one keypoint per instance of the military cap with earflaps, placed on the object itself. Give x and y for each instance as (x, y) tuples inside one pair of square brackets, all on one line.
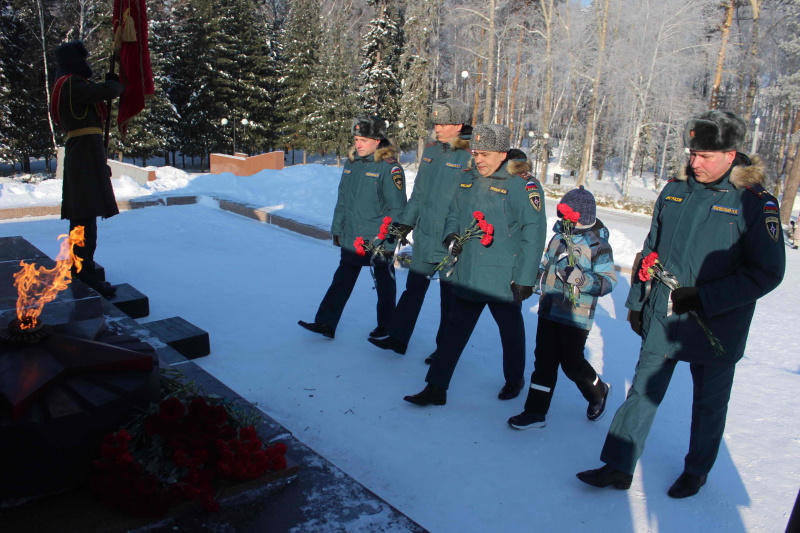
[(451, 111), (491, 138), (369, 126), (714, 131), (71, 59)]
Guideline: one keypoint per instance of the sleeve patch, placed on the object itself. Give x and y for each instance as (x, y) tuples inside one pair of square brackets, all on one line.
[(398, 180), (771, 208), (531, 185), (536, 200), (396, 170), (773, 227)]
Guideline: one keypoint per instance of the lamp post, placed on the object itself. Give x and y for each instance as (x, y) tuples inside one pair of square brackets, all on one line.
[(464, 76), (245, 122), (224, 122)]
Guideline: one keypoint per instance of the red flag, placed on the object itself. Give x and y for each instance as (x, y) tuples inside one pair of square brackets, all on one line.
[(133, 56)]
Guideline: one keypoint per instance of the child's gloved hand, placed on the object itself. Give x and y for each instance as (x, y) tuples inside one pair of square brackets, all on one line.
[(572, 275)]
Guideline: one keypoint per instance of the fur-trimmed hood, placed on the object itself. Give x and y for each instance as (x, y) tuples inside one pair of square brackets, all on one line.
[(381, 154), (742, 174)]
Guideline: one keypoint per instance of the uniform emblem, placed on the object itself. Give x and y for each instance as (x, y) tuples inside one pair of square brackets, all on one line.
[(674, 199), (396, 170), (347, 171), (531, 185), (725, 209), (373, 174), (536, 200), (498, 189), (691, 133), (452, 165), (427, 159), (773, 227), (466, 185), (435, 113), (771, 208), (478, 137), (398, 180)]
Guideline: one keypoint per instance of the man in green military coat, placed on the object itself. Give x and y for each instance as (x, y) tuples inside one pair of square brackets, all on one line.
[(441, 171), (372, 188), (716, 229), (499, 271)]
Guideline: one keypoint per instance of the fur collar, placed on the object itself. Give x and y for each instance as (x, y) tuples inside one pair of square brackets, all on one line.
[(518, 166), (381, 154), (741, 176), (459, 144)]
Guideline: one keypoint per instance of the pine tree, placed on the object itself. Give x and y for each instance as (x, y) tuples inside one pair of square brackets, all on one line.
[(334, 91), (301, 44), (381, 50), (417, 74)]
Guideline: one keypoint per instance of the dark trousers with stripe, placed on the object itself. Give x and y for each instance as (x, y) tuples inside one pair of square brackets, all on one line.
[(464, 315), (410, 304), (560, 345), (344, 279), (633, 420)]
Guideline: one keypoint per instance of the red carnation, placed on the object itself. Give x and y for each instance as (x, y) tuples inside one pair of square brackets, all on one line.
[(387, 220), (568, 213), (486, 240), (171, 409), (359, 246), (478, 215), (647, 264)]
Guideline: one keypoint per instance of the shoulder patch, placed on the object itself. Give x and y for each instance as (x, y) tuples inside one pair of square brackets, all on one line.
[(391, 160), (396, 170), (397, 178), (531, 185), (535, 199), (771, 208), (773, 227), (525, 175), (759, 191)]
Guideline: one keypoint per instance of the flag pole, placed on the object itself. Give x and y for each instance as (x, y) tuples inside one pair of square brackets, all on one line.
[(111, 69)]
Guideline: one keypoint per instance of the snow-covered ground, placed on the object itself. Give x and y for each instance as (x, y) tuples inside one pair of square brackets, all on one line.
[(459, 467)]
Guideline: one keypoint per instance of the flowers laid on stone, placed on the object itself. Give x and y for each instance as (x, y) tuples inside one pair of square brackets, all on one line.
[(181, 450)]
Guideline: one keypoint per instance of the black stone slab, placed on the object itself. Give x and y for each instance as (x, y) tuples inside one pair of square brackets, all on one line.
[(130, 301), (100, 272), (189, 340), (17, 248)]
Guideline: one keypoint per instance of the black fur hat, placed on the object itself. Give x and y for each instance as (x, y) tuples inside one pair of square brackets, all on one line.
[(71, 59), (714, 131), (370, 126)]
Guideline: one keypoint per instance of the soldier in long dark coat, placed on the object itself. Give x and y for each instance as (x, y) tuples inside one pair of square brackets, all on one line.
[(78, 108)]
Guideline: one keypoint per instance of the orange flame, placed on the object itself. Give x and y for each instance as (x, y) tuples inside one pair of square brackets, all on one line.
[(36, 287)]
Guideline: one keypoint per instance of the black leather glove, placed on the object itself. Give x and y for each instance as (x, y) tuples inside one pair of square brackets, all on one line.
[(636, 322), (336, 241), (685, 299), (453, 239), (521, 292), (403, 230), (110, 76), (573, 275)]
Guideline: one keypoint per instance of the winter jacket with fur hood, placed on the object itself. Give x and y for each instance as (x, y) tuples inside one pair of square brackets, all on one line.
[(512, 200), (723, 238), (441, 172), (595, 260), (371, 188)]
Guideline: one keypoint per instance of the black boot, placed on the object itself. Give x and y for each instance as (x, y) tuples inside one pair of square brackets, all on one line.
[(596, 410), (378, 332), (388, 343), (430, 395), (323, 329), (510, 390), (429, 359), (686, 485), (605, 476)]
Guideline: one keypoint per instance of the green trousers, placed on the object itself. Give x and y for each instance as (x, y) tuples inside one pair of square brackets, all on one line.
[(633, 420)]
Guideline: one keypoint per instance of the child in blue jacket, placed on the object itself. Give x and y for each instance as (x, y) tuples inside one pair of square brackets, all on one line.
[(564, 321)]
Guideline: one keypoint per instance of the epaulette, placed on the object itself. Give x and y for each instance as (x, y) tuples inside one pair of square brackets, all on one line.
[(430, 144), (760, 192), (527, 176), (673, 179), (390, 160)]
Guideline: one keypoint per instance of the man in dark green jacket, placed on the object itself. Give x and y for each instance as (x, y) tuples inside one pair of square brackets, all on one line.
[(499, 271), (716, 229), (372, 188), (440, 173)]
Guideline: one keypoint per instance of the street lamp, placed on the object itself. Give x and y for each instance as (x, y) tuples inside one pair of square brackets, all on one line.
[(464, 76), (224, 122), (245, 122)]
